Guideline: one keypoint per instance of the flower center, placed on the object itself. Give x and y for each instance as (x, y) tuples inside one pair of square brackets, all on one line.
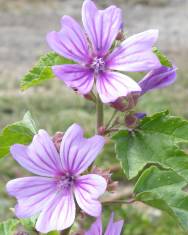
[(65, 182), (98, 64)]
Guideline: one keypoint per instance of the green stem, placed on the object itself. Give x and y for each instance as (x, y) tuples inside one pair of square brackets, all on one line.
[(99, 112), (120, 202), (111, 119)]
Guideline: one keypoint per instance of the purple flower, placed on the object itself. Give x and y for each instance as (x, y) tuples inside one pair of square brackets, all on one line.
[(97, 59), (51, 194), (113, 228), (158, 78)]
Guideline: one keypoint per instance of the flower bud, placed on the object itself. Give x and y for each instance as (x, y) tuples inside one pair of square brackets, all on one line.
[(131, 121), (158, 78), (120, 36), (57, 138), (126, 103), (101, 130), (111, 185), (88, 97)]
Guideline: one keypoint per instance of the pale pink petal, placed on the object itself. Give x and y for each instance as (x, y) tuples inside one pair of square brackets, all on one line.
[(77, 153), (114, 228), (112, 85), (96, 228), (58, 215), (40, 157), (70, 41), (135, 53), (33, 194), (75, 76), (88, 188), (102, 26)]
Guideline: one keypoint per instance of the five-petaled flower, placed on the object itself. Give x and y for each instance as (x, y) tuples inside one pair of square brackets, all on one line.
[(51, 194), (113, 228), (98, 61)]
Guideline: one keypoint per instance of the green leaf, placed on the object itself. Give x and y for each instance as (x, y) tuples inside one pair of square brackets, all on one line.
[(156, 141), (7, 227), (53, 233), (162, 58), (162, 189), (42, 70), (29, 122), (29, 223), (17, 133)]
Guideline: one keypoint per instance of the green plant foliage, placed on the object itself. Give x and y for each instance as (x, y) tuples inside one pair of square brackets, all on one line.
[(163, 58), (155, 141), (163, 189), (8, 227), (20, 132), (53, 233), (29, 223), (42, 70)]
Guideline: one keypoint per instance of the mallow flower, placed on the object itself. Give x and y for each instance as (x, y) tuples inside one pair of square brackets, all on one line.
[(50, 195), (113, 228), (99, 63)]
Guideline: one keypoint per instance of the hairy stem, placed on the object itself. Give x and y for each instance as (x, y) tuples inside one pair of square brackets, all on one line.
[(99, 112), (130, 201)]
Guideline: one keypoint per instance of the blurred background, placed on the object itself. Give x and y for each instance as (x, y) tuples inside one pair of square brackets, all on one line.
[(23, 28)]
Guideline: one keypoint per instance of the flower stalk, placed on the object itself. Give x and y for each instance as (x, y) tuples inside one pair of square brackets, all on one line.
[(99, 114), (111, 119), (130, 201)]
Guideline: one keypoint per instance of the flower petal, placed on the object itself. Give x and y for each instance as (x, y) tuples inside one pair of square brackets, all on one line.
[(87, 190), (58, 215), (114, 228), (40, 157), (102, 26), (112, 85), (77, 153), (158, 78), (33, 194), (96, 228), (75, 76), (70, 41), (135, 53)]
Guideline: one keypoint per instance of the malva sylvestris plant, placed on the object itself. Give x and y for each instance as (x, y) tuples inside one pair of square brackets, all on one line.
[(68, 185)]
